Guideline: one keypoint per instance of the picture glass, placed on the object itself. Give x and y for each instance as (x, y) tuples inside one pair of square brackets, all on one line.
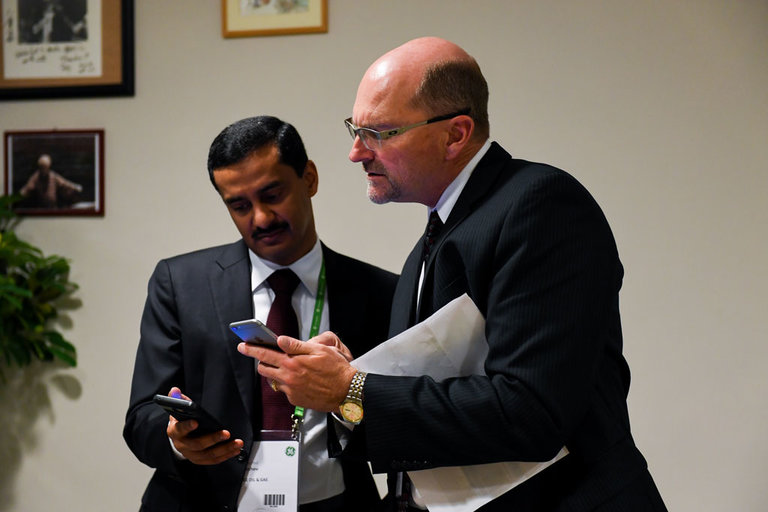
[(56, 173)]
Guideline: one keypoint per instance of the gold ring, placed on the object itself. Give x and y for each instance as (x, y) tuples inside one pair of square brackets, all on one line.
[(273, 384)]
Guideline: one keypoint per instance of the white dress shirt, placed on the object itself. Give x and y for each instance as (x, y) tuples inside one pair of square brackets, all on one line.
[(451, 194), (320, 477)]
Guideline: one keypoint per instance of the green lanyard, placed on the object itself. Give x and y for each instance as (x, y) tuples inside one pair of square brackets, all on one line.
[(298, 413)]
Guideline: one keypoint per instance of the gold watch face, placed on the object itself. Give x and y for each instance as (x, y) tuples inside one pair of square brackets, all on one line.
[(352, 412)]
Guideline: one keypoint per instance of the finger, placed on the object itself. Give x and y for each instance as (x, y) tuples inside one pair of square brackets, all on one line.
[(210, 448), (265, 356), (192, 447), (327, 338), (294, 347), (178, 429), (175, 392), (218, 453), (344, 351), (267, 371)]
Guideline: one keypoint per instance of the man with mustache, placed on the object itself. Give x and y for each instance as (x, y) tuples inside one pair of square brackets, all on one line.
[(260, 169)]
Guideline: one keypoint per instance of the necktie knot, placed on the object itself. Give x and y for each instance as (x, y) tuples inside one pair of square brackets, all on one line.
[(282, 318), (283, 281), (433, 229)]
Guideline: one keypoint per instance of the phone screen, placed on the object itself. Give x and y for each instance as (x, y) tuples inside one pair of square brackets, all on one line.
[(254, 331)]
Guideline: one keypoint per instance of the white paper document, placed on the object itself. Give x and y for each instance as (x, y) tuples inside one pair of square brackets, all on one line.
[(450, 343)]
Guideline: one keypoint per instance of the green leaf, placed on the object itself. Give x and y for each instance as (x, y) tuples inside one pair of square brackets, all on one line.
[(64, 355), (31, 285), (56, 339)]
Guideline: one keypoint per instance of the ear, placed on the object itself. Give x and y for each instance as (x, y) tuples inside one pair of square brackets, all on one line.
[(459, 133), (310, 177)]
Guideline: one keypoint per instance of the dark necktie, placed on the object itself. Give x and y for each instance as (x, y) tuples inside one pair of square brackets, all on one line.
[(275, 408), (430, 234)]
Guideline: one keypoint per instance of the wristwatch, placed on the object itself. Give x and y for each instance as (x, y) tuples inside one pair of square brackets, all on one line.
[(352, 407)]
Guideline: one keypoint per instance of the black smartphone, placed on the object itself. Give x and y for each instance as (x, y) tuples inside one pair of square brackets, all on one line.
[(254, 331), (183, 410)]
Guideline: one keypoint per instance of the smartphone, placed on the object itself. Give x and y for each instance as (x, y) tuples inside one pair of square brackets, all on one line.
[(183, 410), (253, 331)]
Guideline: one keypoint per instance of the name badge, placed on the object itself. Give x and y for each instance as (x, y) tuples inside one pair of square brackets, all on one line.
[(271, 483)]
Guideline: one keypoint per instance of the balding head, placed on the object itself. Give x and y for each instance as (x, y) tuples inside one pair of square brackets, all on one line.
[(433, 75), (428, 102), (428, 50), (44, 163)]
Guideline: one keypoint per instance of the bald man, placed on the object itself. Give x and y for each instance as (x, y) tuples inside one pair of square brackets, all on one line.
[(531, 247)]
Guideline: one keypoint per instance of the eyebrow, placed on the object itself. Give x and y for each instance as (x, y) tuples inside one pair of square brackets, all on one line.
[(378, 125), (266, 188)]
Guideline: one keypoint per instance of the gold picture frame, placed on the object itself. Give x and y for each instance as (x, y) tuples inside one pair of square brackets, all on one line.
[(66, 48), (247, 18)]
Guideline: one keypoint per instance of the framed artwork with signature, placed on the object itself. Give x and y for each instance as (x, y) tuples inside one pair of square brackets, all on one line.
[(244, 18), (66, 48), (57, 172)]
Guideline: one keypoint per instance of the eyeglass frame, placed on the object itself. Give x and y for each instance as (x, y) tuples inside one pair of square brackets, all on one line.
[(354, 131)]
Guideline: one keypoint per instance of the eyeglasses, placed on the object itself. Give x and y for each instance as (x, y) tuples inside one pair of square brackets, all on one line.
[(372, 138)]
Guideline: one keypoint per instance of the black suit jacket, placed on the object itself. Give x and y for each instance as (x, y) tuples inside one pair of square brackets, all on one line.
[(533, 250), (186, 342)]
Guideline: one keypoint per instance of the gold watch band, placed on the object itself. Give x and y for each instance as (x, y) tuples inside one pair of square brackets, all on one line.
[(355, 391)]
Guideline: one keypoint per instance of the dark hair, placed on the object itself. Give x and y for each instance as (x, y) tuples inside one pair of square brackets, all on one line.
[(451, 86), (240, 139)]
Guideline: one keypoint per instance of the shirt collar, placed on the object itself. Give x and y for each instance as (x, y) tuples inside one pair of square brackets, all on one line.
[(451, 194), (307, 268)]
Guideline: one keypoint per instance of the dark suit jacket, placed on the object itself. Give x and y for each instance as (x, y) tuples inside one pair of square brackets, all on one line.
[(186, 342), (533, 250)]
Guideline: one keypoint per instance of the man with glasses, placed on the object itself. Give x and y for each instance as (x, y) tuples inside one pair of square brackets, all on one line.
[(530, 246)]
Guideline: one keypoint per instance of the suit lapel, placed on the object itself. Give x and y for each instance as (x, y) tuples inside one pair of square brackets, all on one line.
[(479, 185), (404, 301), (230, 285)]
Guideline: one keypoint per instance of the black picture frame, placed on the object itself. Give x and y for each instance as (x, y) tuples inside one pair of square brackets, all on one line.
[(77, 156), (117, 57)]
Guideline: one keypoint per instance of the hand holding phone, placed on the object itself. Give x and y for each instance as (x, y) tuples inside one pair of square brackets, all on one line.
[(255, 332), (183, 410)]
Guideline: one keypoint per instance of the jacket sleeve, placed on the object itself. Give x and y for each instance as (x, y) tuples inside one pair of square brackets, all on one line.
[(158, 367)]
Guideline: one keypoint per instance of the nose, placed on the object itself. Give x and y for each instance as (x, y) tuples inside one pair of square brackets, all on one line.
[(359, 151), (262, 216)]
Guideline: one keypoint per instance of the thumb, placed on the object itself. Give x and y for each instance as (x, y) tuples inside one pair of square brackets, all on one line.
[(327, 338), (292, 346)]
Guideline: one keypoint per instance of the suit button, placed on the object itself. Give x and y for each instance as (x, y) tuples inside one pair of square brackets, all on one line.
[(243, 455)]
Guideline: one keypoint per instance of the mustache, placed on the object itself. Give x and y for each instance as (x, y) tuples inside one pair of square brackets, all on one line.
[(269, 230)]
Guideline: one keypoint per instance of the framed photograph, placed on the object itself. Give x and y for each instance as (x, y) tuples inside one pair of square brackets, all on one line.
[(57, 172), (244, 18), (66, 48)]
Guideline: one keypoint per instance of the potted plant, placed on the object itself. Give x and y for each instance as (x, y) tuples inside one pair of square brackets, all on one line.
[(31, 284)]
